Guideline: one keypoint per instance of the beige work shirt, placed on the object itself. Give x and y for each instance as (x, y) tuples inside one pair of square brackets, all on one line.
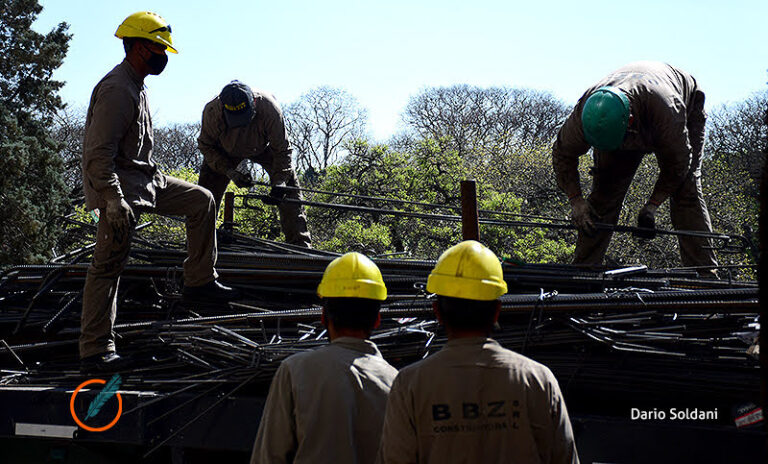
[(263, 140), (117, 150), (326, 406), (667, 123), (476, 402)]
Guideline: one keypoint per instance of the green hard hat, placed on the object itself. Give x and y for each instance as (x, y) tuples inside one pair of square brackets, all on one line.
[(605, 117)]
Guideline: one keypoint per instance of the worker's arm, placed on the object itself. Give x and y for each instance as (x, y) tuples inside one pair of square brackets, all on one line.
[(563, 444), (112, 112), (549, 420), (211, 129), (569, 146), (276, 441), (277, 139), (399, 442), (672, 145)]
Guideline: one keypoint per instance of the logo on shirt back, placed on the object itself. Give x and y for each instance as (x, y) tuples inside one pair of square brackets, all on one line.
[(474, 417)]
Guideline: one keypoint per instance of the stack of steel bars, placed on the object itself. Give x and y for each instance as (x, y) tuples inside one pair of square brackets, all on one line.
[(599, 330)]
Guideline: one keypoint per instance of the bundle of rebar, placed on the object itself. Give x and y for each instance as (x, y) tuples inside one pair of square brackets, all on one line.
[(598, 329)]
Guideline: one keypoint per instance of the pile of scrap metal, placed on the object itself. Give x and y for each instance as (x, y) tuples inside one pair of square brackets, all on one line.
[(600, 331)]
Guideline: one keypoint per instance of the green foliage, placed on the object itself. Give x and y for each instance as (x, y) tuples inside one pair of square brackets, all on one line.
[(351, 234), (532, 245), (426, 173), (32, 192)]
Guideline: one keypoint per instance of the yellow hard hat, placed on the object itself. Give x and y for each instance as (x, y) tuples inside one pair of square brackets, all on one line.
[(468, 270), (147, 25), (352, 276)]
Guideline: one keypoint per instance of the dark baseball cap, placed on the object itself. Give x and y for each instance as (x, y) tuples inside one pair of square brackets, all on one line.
[(237, 100)]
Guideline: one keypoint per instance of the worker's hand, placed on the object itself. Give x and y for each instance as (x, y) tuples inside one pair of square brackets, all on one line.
[(241, 179), (277, 194), (647, 219), (583, 216), (120, 215)]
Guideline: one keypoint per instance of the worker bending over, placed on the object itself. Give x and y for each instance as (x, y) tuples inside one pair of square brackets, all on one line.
[(121, 180), (327, 405), (474, 401), (641, 108), (242, 124)]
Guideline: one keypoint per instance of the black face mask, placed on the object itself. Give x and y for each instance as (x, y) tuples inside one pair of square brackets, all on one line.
[(156, 62)]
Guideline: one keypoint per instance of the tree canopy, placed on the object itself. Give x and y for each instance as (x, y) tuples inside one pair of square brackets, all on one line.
[(32, 189)]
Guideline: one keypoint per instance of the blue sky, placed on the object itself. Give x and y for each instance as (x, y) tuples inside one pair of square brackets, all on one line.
[(385, 52)]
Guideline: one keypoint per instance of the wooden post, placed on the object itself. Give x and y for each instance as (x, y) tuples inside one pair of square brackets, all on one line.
[(229, 211), (470, 226)]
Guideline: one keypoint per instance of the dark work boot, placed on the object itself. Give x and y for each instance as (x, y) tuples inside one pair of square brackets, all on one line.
[(102, 363), (212, 292)]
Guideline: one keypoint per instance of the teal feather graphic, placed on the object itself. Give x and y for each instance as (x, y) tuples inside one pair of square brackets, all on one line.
[(104, 395)]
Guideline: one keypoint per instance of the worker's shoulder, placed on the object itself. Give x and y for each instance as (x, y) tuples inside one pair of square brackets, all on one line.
[(213, 107), (264, 99), (117, 83), (652, 81), (336, 358), (492, 355), (645, 66), (261, 93), (498, 356), (318, 355), (526, 365)]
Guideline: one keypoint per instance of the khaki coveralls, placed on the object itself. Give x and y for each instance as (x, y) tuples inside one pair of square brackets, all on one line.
[(117, 162), (263, 141), (476, 402), (668, 109), (326, 406)]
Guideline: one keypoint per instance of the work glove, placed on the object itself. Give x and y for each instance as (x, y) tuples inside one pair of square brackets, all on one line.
[(277, 194), (647, 219), (120, 215), (241, 179), (583, 216)]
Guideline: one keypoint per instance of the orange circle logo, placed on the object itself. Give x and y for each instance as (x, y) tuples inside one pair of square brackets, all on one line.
[(79, 422)]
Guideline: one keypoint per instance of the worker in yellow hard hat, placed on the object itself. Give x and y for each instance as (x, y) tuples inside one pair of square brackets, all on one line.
[(121, 180), (474, 401), (327, 405)]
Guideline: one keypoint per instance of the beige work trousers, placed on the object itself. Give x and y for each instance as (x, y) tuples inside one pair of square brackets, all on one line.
[(178, 198), (293, 221), (612, 175)]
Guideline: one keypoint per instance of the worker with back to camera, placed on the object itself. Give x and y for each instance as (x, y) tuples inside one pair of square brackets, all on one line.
[(121, 180), (327, 405), (242, 123), (474, 401), (641, 108)]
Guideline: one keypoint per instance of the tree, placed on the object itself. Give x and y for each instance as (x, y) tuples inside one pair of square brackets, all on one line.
[(476, 120), (32, 190), (320, 123), (736, 132), (176, 147), (69, 131)]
